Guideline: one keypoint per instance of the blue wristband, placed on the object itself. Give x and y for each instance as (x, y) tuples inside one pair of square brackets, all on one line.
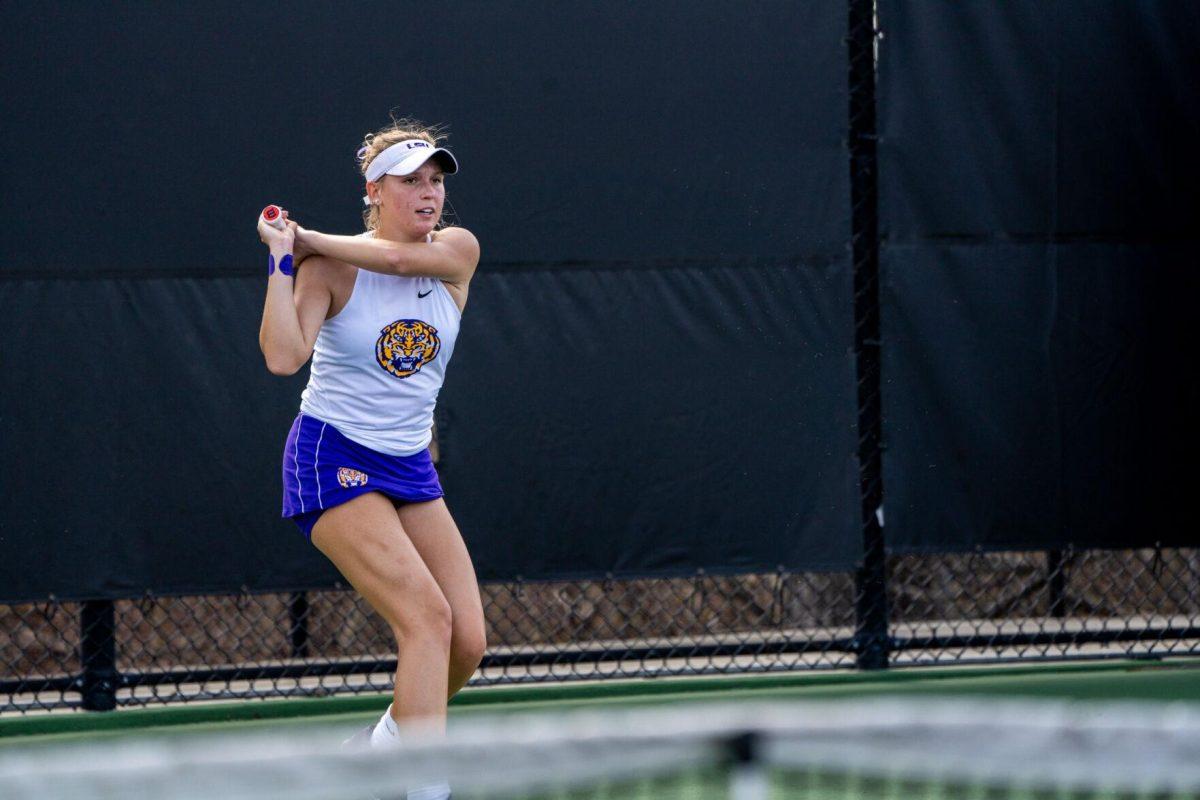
[(285, 265)]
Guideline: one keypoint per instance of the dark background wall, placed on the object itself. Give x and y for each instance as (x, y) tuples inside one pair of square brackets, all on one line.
[(654, 373), (1039, 186)]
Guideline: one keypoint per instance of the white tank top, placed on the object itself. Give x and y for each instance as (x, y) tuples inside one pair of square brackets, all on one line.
[(378, 365)]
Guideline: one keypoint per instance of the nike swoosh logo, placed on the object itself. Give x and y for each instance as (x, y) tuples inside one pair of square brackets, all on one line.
[(424, 293)]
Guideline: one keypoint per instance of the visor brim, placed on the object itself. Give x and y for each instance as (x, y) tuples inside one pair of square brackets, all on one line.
[(408, 166)]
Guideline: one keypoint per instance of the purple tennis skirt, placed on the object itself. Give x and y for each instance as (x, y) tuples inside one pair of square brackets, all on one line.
[(323, 469)]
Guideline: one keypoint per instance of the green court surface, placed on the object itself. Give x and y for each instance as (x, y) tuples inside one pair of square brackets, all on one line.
[(1171, 680)]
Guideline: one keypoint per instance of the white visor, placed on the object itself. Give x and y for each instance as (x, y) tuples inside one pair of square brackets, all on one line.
[(405, 158)]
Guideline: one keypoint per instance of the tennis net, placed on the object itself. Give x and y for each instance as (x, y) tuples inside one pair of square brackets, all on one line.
[(894, 749)]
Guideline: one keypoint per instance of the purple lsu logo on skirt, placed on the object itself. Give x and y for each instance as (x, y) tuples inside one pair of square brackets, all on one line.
[(322, 469)]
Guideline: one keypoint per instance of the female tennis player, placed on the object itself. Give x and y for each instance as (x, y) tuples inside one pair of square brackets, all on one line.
[(378, 314)]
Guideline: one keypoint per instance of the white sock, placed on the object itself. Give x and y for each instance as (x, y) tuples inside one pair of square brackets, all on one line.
[(386, 733)]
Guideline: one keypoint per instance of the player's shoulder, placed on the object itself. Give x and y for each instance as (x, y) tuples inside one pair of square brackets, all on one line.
[(460, 237), (465, 245)]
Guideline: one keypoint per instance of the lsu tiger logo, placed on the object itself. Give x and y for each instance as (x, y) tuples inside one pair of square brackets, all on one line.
[(350, 478), (406, 345)]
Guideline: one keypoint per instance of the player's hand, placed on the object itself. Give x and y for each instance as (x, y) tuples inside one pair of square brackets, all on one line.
[(275, 237), (300, 247)]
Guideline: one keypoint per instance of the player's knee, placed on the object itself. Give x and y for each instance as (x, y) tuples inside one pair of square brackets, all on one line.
[(440, 621), (469, 646), (425, 617)]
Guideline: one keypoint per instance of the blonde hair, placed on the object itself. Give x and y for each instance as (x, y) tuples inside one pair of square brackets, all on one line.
[(375, 143)]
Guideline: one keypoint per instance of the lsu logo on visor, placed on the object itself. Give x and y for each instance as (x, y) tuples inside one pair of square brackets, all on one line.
[(350, 478), (406, 345)]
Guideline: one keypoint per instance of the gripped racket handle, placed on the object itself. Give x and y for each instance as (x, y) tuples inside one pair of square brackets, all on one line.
[(273, 217)]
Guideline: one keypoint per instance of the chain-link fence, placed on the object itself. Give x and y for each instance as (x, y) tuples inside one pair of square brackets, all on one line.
[(978, 607)]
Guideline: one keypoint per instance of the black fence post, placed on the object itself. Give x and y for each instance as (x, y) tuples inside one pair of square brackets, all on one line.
[(98, 655), (298, 624), (872, 636)]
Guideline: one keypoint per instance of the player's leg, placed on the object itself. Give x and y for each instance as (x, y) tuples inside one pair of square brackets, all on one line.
[(366, 541), (433, 531)]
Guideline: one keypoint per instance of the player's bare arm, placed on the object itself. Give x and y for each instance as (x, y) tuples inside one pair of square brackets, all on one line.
[(452, 256), (296, 303)]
